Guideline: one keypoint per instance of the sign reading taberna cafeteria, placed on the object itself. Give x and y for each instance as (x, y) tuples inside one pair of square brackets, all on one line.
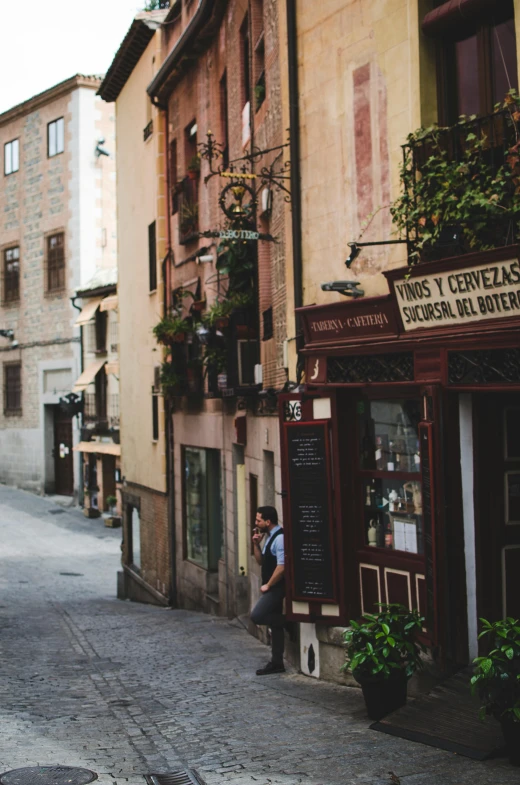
[(488, 291)]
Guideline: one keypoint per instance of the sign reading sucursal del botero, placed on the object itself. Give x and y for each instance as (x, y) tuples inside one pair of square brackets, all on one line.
[(471, 294)]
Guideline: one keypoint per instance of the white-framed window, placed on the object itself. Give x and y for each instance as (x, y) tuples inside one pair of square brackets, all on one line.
[(55, 137), (12, 156)]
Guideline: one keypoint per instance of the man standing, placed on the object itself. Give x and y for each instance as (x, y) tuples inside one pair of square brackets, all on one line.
[(269, 608)]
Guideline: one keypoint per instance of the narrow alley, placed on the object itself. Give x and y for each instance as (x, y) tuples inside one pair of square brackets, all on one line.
[(127, 690)]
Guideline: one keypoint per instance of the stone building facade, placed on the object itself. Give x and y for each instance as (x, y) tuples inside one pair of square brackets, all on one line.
[(57, 203)]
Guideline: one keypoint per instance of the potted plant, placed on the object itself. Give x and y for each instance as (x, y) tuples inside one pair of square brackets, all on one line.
[(171, 329), (382, 652), (111, 503), (194, 167), (497, 681), (189, 218)]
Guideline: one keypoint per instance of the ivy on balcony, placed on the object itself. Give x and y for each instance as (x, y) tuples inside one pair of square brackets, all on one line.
[(465, 178)]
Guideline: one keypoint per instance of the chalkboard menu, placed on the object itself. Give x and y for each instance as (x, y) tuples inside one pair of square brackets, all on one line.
[(425, 438), (310, 509)]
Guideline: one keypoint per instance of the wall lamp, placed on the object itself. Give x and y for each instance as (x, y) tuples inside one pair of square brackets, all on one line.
[(355, 249), (100, 150), (348, 288)]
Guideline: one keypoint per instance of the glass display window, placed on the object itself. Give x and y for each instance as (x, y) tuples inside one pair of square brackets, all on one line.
[(202, 507), (389, 474)]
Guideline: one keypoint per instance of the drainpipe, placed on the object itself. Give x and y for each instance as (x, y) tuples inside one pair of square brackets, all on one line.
[(296, 198), (168, 409), (81, 498)]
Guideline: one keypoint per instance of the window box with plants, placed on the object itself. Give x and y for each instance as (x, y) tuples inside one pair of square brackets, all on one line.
[(172, 329), (496, 679), (464, 182), (382, 652)]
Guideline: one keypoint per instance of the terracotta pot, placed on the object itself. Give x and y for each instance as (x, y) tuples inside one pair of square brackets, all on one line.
[(193, 174)]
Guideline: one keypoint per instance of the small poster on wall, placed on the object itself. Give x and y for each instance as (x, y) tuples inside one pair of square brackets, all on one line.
[(405, 535)]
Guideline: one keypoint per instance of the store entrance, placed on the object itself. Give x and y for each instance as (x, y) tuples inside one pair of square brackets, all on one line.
[(496, 420)]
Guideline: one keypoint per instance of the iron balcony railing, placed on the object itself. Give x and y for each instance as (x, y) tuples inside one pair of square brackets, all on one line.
[(498, 134), (113, 410)]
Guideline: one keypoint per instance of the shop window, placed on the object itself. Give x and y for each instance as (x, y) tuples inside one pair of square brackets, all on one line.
[(134, 532), (11, 156), (55, 262), (477, 62), (389, 474), (13, 388), (202, 507), (11, 287), (152, 257), (55, 137)]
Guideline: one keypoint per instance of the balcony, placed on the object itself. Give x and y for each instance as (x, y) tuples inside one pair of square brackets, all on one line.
[(460, 187), (188, 210)]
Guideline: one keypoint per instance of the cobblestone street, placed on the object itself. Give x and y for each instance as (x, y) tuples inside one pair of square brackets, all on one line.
[(127, 689)]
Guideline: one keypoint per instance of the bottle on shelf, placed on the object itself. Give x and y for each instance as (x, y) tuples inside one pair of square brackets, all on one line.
[(390, 466)]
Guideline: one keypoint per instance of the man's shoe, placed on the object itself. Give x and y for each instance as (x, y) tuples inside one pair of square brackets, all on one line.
[(271, 667)]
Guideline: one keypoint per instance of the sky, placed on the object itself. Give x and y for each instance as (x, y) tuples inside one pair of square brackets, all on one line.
[(44, 43)]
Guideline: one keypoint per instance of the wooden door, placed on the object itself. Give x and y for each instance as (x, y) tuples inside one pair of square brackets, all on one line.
[(63, 455), (497, 508)]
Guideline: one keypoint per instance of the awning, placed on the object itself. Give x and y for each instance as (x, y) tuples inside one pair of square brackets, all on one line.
[(88, 375), (112, 367), (109, 303), (105, 448), (88, 312)]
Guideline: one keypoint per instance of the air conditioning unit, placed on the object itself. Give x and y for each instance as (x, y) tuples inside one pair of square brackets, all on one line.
[(247, 351)]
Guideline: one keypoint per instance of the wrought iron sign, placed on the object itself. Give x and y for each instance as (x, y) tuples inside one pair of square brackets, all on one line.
[(239, 198)]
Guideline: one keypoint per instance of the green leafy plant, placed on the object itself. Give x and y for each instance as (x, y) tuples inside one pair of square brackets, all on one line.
[(259, 94), (444, 189), (383, 644), (171, 329), (171, 381), (235, 258), (497, 675), (111, 501), (189, 217), (216, 358), (194, 164)]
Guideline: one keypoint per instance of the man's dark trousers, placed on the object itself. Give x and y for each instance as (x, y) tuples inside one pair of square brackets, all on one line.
[(269, 611)]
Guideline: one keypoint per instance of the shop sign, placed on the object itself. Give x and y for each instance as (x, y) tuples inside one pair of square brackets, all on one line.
[(488, 291), (310, 540), (349, 321)]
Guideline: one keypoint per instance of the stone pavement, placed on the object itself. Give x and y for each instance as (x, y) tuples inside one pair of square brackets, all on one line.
[(127, 689)]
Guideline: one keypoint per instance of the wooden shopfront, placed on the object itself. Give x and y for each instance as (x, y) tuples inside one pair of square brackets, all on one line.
[(401, 459)]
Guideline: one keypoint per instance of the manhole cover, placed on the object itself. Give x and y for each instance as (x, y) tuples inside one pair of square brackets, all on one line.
[(48, 775)]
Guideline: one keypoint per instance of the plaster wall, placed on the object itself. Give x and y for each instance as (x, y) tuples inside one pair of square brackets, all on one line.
[(367, 79), (141, 201)]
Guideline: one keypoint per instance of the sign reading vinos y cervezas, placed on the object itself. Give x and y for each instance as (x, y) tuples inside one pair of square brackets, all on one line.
[(488, 291)]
